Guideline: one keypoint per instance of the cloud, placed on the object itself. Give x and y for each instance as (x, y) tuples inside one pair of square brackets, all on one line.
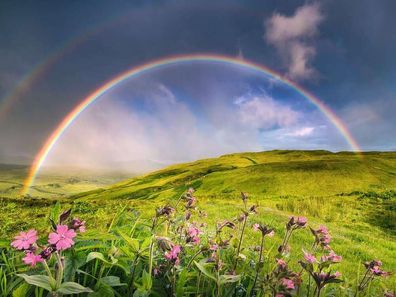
[(293, 37), (302, 132), (263, 112)]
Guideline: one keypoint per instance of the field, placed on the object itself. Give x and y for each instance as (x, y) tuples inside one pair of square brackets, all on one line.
[(354, 196)]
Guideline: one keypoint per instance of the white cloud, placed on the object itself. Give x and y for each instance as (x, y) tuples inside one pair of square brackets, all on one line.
[(293, 38), (263, 112), (302, 132)]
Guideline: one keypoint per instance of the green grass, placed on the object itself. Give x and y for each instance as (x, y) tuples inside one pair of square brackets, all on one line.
[(355, 197)]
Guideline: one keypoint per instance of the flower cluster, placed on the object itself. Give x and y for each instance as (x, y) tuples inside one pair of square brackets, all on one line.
[(60, 239)]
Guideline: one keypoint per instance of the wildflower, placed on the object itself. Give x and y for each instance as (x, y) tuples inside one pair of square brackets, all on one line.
[(296, 222), (32, 259), (301, 221), (165, 211), (191, 202), (271, 234), (322, 230), (47, 252), (309, 258), (333, 257), (287, 283), (214, 247), (24, 240), (193, 235), (77, 224), (281, 263), (173, 254), (62, 238), (265, 230), (225, 224), (389, 294), (279, 295)]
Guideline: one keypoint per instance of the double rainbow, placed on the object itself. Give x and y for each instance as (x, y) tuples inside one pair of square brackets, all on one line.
[(166, 61)]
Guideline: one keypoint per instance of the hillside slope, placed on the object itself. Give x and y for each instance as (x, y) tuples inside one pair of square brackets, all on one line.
[(265, 174)]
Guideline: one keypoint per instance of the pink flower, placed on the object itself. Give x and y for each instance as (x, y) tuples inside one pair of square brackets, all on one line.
[(256, 227), (309, 258), (173, 254), (322, 229), (24, 240), (214, 247), (334, 257), (281, 263), (77, 224), (271, 234), (279, 295), (62, 238), (193, 231), (301, 221), (287, 283), (337, 274), (32, 259)]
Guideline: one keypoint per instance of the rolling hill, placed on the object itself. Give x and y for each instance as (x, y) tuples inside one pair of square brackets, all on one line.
[(355, 196)]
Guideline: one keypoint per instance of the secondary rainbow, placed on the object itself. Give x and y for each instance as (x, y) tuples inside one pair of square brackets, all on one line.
[(166, 61)]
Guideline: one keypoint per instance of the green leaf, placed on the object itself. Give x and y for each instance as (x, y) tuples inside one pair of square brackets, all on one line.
[(73, 288), (41, 281), (131, 242), (147, 282), (96, 255), (21, 291), (102, 290), (224, 279), (203, 269), (72, 263), (55, 213), (112, 281), (141, 293)]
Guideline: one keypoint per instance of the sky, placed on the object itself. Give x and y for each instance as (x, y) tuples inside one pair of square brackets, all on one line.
[(53, 54)]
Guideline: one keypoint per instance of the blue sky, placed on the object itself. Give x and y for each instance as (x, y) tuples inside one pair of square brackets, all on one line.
[(342, 51)]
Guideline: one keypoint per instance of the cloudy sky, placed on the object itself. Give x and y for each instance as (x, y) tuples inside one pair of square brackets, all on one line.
[(53, 54)]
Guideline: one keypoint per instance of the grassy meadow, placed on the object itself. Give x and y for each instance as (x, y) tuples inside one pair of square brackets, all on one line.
[(354, 196)]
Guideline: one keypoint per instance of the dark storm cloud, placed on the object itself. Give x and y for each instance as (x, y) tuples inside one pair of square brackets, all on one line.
[(355, 44)]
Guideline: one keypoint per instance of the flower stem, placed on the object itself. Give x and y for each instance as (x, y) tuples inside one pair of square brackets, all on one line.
[(258, 263), (240, 242)]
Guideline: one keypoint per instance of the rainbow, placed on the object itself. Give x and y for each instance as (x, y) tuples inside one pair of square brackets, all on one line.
[(166, 61)]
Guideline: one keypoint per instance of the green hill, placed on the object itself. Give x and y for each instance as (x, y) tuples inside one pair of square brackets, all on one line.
[(355, 196)]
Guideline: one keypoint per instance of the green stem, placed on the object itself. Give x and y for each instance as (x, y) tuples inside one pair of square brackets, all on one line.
[(258, 263), (60, 270), (240, 242), (48, 270)]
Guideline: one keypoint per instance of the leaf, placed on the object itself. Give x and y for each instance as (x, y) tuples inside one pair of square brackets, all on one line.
[(73, 288), (41, 281), (96, 255), (102, 290), (226, 278), (132, 242), (203, 269), (72, 263), (147, 282), (141, 293), (55, 213), (112, 281), (21, 291)]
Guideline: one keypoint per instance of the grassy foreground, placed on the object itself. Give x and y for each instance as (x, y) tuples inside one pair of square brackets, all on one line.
[(354, 197)]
